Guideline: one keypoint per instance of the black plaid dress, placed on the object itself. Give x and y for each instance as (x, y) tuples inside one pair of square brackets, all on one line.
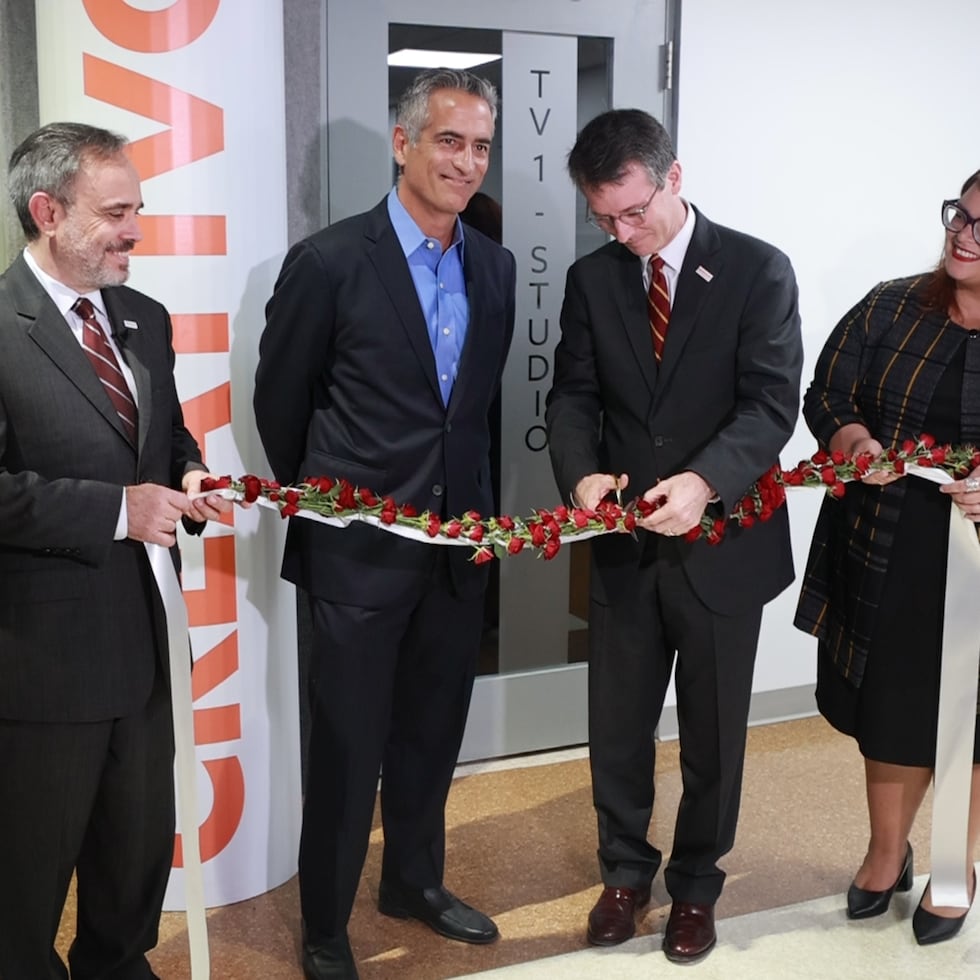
[(874, 586)]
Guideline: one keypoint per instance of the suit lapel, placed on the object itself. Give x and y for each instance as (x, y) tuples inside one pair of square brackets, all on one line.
[(702, 263), (389, 262), (631, 302), (131, 344), (52, 334)]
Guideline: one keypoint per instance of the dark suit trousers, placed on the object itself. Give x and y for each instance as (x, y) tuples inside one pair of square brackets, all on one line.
[(390, 689), (96, 798), (633, 645)]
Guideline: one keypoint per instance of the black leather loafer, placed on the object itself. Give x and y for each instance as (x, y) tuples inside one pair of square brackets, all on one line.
[(440, 910), (329, 960)]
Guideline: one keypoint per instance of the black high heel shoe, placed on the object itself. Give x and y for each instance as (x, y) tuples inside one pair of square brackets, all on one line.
[(863, 904), (929, 928)]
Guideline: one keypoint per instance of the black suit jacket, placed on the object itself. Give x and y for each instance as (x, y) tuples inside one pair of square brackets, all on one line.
[(722, 403), (80, 624), (346, 387)]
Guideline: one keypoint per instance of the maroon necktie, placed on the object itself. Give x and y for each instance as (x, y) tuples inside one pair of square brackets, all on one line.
[(106, 366), (658, 301)]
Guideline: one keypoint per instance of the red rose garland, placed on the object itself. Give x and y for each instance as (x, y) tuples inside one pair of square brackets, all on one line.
[(544, 530)]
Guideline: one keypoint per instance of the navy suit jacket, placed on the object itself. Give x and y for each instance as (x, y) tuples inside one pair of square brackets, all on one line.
[(722, 403), (81, 628), (346, 387)]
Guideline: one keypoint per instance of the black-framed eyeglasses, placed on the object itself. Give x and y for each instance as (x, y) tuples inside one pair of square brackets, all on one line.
[(956, 218), (634, 218)]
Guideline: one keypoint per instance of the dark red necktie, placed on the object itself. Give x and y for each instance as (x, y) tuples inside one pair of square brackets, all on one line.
[(106, 366), (658, 302)]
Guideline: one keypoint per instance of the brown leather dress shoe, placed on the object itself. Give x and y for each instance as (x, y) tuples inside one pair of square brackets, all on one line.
[(690, 933), (613, 918)]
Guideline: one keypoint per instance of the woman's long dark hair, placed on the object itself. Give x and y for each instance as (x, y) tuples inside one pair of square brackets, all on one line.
[(939, 291)]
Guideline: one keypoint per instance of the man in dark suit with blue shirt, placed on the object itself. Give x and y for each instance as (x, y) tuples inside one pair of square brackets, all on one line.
[(95, 462), (677, 372), (384, 346)]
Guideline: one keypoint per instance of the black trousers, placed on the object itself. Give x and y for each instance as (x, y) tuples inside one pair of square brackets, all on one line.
[(97, 799), (390, 691), (633, 646)]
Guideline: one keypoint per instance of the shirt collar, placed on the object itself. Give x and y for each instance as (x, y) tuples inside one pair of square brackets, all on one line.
[(675, 250), (410, 236), (63, 296)]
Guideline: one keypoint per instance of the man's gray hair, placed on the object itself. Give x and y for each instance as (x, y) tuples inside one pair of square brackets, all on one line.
[(49, 161), (412, 112)]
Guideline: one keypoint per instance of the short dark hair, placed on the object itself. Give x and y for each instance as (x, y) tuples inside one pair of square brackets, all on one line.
[(49, 161), (412, 112), (613, 141)]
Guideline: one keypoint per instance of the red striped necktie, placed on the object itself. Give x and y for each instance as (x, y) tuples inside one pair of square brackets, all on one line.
[(106, 366), (658, 303)]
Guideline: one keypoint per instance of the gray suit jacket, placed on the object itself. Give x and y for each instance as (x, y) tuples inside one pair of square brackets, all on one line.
[(80, 623)]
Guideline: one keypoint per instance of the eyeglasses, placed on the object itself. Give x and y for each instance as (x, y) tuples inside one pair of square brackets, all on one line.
[(634, 218), (955, 219)]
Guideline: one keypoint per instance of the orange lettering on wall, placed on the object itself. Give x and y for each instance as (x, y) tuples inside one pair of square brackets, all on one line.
[(207, 412), (151, 30), (220, 724), (200, 333), (182, 234), (217, 665), (217, 602), (197, 128), (216, 832)]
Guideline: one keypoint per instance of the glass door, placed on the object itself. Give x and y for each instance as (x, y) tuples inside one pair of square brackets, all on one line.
[(556, 65)]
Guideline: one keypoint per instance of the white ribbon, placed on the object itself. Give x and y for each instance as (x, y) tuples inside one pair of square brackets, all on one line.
[(953, 775), (178, 642)]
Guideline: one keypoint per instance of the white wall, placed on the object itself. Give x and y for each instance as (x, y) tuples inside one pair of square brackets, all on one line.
[(834, 129)]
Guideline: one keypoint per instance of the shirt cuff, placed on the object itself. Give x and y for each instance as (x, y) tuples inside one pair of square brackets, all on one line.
[(122, 522)]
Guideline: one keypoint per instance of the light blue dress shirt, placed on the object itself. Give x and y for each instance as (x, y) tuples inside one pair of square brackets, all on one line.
[(441, 289)]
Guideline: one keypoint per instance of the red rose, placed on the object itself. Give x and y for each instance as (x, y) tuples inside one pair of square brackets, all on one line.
[(210, 483), (515, 546), (820, 457), (367, 497), (908, 446), (472, 515), (579, 517), (793, 477), (432, 528), (862, 462), (538, 536), (939, 454), (837, 457), (453, 529), (476, 533), (292, 496), (561, 513), (409, 511), (749, 520), (838, 490), (629, 521), (389, 515), (927, 440), (899, 465), (253, 488), (273, 496), (482, 556), (505, 522), (693, 534), (346, 499), (551, 549), (288, 510), (828, 475)]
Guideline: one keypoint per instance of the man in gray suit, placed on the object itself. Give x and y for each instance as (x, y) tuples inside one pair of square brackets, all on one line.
[(94, 461)]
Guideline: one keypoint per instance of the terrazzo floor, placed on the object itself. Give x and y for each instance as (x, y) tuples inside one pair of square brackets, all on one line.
[(521, 847)]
